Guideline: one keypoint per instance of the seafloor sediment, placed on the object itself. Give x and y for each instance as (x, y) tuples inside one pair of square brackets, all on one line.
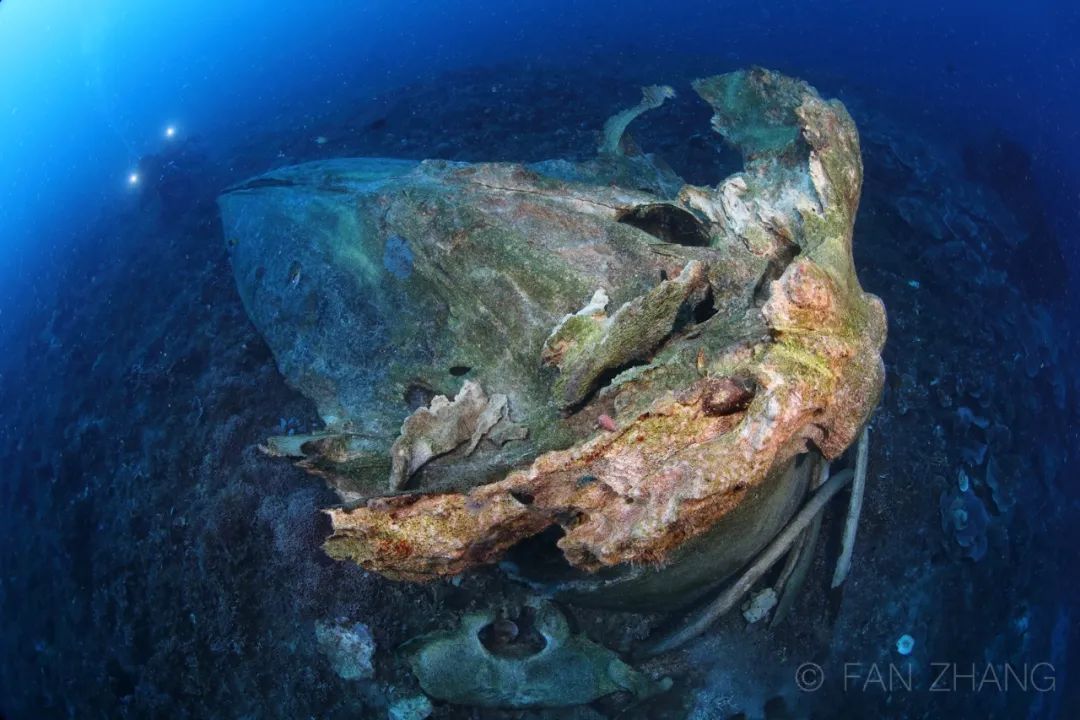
[(160, 565)]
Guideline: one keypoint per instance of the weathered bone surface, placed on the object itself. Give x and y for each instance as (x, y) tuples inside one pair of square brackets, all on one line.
[(618, 353), (560, 670)]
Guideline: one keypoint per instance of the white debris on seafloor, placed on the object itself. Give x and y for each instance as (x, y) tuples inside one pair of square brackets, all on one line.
[(416, 707), (759, 605), (348, 647)]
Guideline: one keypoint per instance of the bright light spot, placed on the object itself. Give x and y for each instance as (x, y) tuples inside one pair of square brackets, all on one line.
[(170, 131), (133, 179)]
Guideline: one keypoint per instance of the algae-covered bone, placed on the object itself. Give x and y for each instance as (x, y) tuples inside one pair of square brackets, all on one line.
[(748, 286), (562, 670)]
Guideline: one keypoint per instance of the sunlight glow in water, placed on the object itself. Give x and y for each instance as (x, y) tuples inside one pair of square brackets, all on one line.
[(170, 132), (133, 179)]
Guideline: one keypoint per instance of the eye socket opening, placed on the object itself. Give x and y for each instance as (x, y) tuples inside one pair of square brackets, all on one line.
[(667, 222)]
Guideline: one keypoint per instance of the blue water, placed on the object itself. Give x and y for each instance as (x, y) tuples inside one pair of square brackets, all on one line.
[(129, 377), (90, 88)]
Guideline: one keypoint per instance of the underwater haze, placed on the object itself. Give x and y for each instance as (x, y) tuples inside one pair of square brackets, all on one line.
[(407, 359)]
